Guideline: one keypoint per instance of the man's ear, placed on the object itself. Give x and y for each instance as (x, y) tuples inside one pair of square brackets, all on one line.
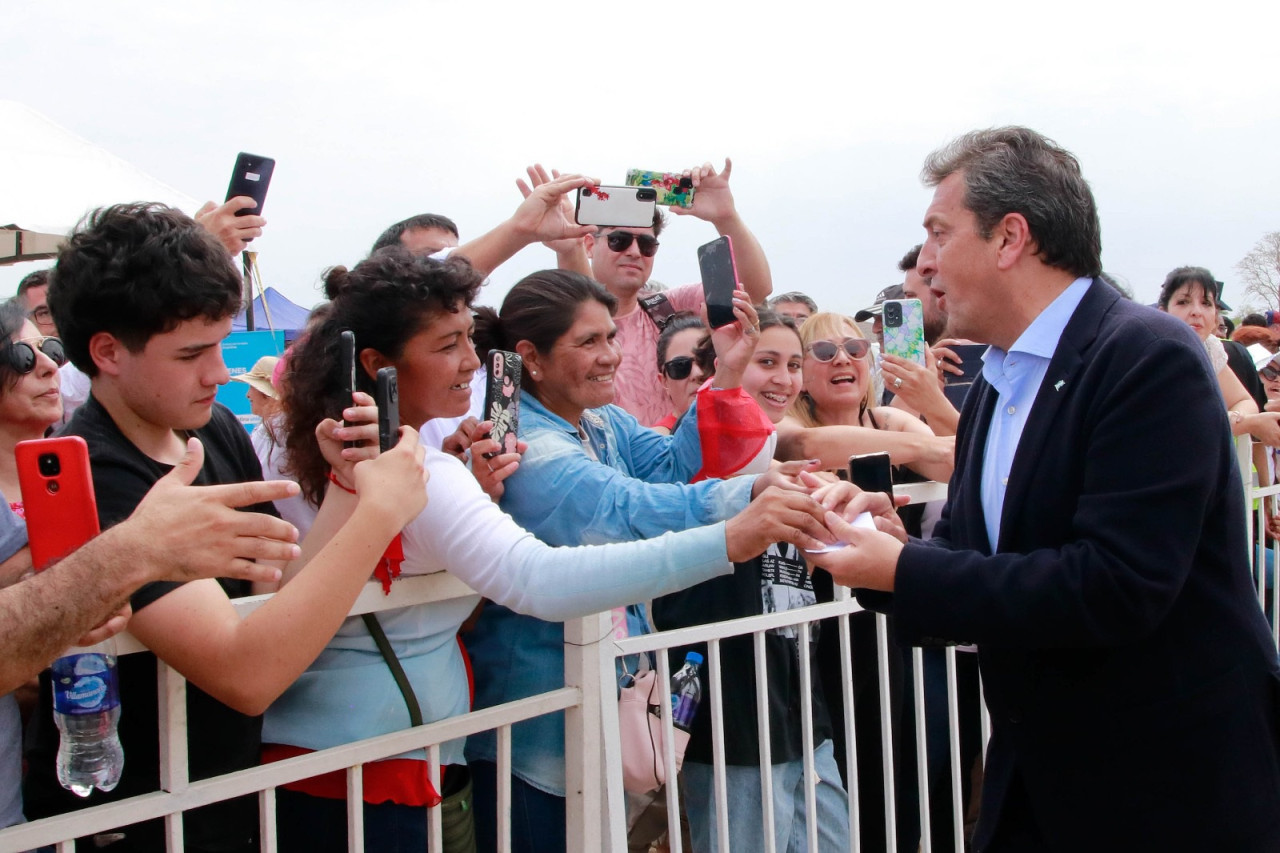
[(372, 361), (532, 363), (1013, 240), (589, 243), (106, 351)]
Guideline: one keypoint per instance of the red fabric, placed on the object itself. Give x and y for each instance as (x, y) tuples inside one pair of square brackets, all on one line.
[(732, 430), (396, 780), (668, 423), (389, 565)]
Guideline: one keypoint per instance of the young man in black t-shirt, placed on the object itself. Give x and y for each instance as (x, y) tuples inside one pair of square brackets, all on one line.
[(143, 297)]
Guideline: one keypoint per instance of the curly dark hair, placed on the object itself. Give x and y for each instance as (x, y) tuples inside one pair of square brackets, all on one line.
[(386, 300), (134, 271)]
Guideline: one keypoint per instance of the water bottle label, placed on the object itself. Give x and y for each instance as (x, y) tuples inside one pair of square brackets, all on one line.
[(683, 709), (85, 684)]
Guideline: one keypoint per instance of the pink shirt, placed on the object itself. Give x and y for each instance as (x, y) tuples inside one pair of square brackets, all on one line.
[(638, 385)]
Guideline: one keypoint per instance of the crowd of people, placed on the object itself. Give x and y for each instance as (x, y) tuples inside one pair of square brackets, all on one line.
[(674, 474)]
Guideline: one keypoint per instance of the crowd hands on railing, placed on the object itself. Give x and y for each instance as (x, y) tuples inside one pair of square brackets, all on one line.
[(675, 473)]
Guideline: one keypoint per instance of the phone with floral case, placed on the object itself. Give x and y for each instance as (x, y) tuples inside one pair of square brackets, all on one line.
[(904, 329), (502, 397), (674, 188)]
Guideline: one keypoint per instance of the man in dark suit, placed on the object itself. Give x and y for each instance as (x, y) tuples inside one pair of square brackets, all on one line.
[(1094, 541)]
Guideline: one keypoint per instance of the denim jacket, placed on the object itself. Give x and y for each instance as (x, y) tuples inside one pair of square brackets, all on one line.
[(563, 496)]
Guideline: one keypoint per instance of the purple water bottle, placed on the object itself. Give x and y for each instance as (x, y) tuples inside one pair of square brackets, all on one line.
[(686, 692)]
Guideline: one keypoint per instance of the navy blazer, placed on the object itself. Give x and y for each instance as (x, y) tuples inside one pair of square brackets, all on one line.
[(1130, 672)]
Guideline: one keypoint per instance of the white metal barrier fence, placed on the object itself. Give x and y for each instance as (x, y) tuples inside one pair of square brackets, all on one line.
[(595, 812)]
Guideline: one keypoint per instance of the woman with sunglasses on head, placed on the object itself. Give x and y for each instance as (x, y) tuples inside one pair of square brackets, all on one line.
[(591, 474), (677, 370), (412, 313), (30, 396)]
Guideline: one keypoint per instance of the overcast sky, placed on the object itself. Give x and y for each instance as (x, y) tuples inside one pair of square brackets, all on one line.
[(376, 111)]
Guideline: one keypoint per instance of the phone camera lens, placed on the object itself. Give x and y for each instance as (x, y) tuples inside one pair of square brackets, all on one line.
[(53, 487), (586, 191), (892, 315), (49, 465)]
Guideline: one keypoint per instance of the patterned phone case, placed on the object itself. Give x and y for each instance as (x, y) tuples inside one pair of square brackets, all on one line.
[(905, 336), (502, 398), (674, 189)]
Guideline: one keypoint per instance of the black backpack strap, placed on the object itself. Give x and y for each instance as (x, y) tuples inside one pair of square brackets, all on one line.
[(393, 663), (659, 309)]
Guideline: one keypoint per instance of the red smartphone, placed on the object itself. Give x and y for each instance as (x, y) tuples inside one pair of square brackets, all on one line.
[(57, 496), (719, 280)]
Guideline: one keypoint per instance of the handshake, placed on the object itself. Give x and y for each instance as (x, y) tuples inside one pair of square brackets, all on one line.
[(791, 503)]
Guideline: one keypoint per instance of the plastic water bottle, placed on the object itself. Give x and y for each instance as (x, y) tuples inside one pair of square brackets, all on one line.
[(686, 692), (86, 707)]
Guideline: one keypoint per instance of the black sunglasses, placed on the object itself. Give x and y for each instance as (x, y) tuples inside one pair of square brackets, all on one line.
[(826, 350), (22, 355), (679, 367), (1270, 372), (620, 241)]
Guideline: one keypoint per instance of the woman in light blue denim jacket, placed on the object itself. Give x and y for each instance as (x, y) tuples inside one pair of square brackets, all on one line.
[(592, 474)]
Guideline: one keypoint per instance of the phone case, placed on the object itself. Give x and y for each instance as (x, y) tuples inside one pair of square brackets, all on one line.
[(674, 189), (57, 496), (388, 398), (347, 364), (871, 472), (251, 177), (502, 397), (621, 207), (904, 330), (719, 279)]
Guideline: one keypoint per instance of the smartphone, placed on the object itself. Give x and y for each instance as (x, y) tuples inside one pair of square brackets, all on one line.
[(502, 398), (621, 207), (347, 362), (251, 177), (388, 397), (871, 472), (674, 189), (57, 496), (904, 329), (956, 388), (719, 280)]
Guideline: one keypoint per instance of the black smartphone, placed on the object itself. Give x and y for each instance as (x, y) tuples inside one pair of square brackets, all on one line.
[(502, 398), (719, 280), (347, 362), (388, 397), (871, 472), (956, 388), (251, 177)]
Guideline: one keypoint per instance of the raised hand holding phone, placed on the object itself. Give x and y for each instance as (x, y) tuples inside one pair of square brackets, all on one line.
[(250, 179), (719, 279)]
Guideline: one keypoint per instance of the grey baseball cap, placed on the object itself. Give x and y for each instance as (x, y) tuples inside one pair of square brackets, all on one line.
[(893, 291)]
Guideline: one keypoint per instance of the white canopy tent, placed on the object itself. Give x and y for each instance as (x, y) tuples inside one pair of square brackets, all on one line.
[(51, 177)]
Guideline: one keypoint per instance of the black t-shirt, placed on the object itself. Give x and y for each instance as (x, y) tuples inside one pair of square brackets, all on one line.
[(777, 580), (220, 740)]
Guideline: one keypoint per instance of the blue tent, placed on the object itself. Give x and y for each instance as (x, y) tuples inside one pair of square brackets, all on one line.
[(286, 316)]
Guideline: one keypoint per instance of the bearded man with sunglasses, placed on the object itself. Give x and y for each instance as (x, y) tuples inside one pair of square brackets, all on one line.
[(622, 260)]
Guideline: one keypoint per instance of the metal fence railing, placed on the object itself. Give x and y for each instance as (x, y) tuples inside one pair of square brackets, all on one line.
[(596, 807)]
